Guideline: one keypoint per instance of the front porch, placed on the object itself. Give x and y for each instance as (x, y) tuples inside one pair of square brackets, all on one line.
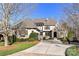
[(49, 34)]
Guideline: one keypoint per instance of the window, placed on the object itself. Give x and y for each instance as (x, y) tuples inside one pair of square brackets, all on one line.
[(47, 27), (47, 33), (41, 33), (39, 24), (22, 33)]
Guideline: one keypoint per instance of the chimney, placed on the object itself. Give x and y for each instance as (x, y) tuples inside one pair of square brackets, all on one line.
[(46, 21)]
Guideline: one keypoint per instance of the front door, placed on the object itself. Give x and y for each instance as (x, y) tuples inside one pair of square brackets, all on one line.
[(55, 34)]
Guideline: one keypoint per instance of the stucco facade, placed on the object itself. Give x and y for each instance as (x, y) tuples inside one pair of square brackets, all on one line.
[(45, 28)]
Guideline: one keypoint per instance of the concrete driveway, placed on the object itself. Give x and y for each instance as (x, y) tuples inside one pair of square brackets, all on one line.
[(44, 49)]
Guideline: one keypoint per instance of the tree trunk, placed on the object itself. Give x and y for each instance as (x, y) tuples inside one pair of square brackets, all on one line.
[(5, 29), (6, 40)]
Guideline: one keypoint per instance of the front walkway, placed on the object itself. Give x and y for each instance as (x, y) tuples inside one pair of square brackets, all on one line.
[(44, 49)]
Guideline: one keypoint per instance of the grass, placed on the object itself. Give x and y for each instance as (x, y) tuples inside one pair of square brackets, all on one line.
[(16, 47), (72, 51), (1, 43)]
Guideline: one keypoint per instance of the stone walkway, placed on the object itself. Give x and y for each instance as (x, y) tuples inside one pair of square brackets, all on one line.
[(44, 49)]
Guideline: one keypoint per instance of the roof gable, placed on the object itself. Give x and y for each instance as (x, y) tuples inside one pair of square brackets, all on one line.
[(26, 23)]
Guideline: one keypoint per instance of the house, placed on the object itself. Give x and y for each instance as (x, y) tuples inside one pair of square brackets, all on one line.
[(44, 27)]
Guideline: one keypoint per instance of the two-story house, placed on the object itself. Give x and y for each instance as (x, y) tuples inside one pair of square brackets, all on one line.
[(44, 27)]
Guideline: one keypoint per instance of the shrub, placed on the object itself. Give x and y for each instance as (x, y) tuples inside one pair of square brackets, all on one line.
[(70, 35), (17, 39), (31, 39), (33, 35), (64, 40), (12, 39), (21, 39), (72, 51)]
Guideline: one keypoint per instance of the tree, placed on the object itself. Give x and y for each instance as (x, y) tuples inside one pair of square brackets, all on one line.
[(8, 10), (72, 16)]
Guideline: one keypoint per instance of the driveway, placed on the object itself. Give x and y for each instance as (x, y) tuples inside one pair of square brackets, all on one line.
[(44, 49)]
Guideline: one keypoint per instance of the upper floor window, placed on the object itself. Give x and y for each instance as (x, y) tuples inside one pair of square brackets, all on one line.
[(39, 24), (47, 27)]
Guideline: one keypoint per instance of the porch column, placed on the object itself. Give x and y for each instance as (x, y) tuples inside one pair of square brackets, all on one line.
[(52, 34), (43, 34)]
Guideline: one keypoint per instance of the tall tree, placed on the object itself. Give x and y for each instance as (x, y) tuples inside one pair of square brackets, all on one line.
[(8, 10), (72, 16)]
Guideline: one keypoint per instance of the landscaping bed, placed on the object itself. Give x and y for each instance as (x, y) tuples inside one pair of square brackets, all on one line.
[(72, 51), (16, 47)]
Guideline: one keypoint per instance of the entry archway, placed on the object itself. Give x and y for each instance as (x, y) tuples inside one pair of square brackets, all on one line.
[(55, 34)]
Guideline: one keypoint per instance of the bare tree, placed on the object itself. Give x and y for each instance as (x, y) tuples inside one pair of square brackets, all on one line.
[(72, 16), (7, 10)]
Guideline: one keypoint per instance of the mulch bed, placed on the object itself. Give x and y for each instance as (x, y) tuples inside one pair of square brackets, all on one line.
[(10, 47)]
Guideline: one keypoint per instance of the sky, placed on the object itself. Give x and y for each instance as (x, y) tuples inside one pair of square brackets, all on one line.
[(44, 10), (49, 10)]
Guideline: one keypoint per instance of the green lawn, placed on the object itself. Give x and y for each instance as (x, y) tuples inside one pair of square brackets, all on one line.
[(16, 47), (72, 51), (1, 43)]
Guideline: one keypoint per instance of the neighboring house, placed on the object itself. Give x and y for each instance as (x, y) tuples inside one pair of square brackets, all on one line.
[(44, 27)]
